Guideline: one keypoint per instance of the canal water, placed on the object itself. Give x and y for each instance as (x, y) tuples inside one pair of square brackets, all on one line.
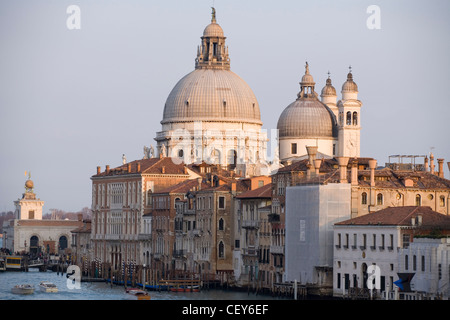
[(101, 290)]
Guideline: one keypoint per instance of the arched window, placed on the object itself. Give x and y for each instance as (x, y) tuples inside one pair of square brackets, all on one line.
[(180, 153), (149, 197), (364, 198), (221, 224), (34, 242), (418, 200), (406, 262), (221, 250), (349, 118), (442, 201), (231, 159), (379, 199), (62, 242), (355, 118)]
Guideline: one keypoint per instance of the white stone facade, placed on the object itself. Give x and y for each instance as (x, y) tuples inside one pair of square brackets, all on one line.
[(358, 247), (429, 260)]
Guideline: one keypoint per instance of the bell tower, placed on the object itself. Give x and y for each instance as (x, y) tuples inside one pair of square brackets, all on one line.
[(28, 207), (349, 119)]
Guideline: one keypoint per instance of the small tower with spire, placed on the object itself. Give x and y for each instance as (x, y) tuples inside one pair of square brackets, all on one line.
[(307, 85), (349, 119), (213, 53), (28, 207), (329, 97)]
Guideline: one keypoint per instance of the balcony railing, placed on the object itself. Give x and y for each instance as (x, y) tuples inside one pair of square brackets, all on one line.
[(277, 249), (144, 236), (250, 251), (250, 224)]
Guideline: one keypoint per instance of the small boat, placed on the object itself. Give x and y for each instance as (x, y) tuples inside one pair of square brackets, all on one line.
[(46, 286), (193, 288), (177, 289), (138, 294), (23, 289)]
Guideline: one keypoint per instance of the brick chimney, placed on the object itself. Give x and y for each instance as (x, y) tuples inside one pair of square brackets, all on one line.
[(107, 169), (99, 170), (354, 173), (441, 167), (317, 164), (343, 162), (312, 152), (432, 163), (372, 166)]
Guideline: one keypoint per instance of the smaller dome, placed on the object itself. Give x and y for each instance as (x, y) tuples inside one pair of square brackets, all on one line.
[(349, 85), (307, 78), (213, 30), (328, 90)]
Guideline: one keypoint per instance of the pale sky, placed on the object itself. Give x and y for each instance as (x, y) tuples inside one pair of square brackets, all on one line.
[(72, 100)]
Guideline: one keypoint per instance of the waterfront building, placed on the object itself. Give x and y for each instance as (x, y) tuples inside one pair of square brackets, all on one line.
[(428, 258), (311, 211), (251, 254), (29, 233), (81, 242), (166, 245), (380, 239), (121, 196), (371, 189)]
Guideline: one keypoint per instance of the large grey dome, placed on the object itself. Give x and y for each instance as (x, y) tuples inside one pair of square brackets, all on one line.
[(307, 118), (211, 95)]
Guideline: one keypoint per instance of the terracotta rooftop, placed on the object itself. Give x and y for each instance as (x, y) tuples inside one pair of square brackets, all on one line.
[(401, 216), (263, 192), (326, 166), (184, 187), (50, 223), (384, 177), (85, 228), (146, 166)]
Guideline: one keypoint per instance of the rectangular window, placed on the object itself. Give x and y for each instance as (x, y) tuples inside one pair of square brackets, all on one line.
[(364, 242), (302, 230), (338, 281), (293, 148), (31, 214), (405, 239), (221, 202), (442, 201)]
